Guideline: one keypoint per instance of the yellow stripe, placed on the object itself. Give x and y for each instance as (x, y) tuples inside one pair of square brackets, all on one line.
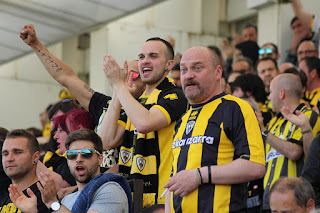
[(164, 111), (144, 165), (123, 124)]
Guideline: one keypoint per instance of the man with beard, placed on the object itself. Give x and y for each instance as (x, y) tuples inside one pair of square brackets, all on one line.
[(96, 192), (267, 69), (217, 147), (20, 156), (149, 125)]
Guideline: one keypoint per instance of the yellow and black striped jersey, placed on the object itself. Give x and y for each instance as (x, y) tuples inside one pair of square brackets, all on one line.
[(216, 133), (278, 165), (313, 98), (149, 156)]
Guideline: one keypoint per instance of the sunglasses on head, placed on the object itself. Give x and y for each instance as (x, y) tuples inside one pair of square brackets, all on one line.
[(85, 153), (135, 74), (265, 51)]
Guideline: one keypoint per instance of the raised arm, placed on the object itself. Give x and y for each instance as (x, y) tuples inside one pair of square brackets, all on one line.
[(143, 119), (60, 71), (110, 131), (300, 12)]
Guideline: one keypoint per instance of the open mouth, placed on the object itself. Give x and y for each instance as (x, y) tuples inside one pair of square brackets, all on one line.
[(146, 70), (80, 170)]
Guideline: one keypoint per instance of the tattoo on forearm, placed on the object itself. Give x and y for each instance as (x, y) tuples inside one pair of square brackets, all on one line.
[(88, 88), (51, 61)]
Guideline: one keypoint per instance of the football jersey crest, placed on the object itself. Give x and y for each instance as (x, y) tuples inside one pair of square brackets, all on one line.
[(141, 163), (125, 156), (190, 126)]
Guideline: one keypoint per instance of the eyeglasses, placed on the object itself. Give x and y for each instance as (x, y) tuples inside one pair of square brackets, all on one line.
[(135, 74), (85, 153), (265, 51), (306, 52)]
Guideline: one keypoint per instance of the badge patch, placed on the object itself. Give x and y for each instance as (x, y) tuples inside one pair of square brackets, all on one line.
[(190, 126), (125, 156), (172, 96), (141, 163)]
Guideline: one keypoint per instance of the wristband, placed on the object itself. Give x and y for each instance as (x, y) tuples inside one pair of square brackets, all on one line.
[(306, 131), (265, 134), (209, 174), (201, 181)]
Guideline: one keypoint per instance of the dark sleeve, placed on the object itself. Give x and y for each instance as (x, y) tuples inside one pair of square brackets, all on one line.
[(40, 205), (172, 103), (292, 58), (98, 103), (65, 173), (311, 169)]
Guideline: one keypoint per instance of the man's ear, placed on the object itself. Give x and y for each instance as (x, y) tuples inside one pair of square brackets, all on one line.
[(313, 74), (310, 205), (169, 65), (282, 94), (35, 157)]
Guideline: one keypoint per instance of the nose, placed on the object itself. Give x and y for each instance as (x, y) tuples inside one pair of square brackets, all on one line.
[(79, 158)]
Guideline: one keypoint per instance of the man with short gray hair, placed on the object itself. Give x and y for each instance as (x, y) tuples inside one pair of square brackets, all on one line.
[(292, 195)]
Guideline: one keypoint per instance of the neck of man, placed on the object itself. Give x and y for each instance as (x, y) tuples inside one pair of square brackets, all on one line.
[(205, 100), (82, 185), (314, 85), (26, 181), (151, 87), (292, 104)]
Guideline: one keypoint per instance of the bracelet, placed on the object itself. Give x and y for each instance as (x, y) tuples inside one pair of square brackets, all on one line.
[(201, 181), (265, 134), (209, 174), (306, 131), (198, 177)]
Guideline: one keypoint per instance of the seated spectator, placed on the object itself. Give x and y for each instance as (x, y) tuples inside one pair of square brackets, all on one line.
[(306, 48), (269, 50), (5, 181), (291, 195), (267, 69), (96, 192), (311, 67), (20, 156), (175, 75), (301, 31), (243, 65), (249, 49), (284, 66), (251, 86)]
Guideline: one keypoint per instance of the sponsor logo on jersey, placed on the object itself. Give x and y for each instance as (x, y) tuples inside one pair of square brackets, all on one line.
[(193, 140), (125, 156), (272, 154), (172, 96), (190, 126), (141, 163)]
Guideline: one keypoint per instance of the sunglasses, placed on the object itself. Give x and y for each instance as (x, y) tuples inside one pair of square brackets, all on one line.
[(265, 51), (85, 153), (135, 74)]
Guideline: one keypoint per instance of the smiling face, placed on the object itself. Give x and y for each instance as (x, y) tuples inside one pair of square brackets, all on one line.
[(83, 169), (153, 63), (17, 160), (200, 75)]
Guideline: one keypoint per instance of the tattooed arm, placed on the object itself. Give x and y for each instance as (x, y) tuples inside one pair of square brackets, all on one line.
[(61, 72)]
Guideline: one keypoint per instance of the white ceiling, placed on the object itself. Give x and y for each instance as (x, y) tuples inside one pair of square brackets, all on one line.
[(57, 20)]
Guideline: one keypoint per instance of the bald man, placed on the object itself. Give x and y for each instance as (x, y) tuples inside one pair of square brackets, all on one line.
[(215, 152), (284, 141)]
